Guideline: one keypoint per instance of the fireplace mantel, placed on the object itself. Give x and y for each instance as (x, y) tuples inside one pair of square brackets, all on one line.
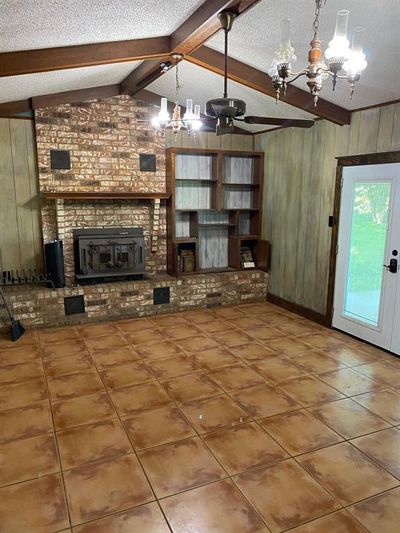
[(89, 196)]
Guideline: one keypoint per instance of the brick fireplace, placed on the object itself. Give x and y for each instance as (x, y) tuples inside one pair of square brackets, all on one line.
[(104, 141)]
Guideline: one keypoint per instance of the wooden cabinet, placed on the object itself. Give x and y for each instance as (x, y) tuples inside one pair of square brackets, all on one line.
[(214, 211)]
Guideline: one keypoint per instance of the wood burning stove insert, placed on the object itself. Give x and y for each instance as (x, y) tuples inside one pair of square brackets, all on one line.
[(108, 252)]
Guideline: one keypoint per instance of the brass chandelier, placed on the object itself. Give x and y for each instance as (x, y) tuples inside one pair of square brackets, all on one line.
[(339, 56)]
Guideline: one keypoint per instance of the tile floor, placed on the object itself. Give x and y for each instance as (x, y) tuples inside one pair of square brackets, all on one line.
[(235, 420)]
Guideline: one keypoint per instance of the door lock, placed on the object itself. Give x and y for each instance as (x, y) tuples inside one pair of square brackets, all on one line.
[(392, 266)]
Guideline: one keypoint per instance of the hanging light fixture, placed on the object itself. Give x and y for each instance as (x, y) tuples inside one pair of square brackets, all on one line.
[(339, 56), (191, 120)]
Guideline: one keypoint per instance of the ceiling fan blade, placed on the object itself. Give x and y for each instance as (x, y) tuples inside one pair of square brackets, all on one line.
[(284, 122)]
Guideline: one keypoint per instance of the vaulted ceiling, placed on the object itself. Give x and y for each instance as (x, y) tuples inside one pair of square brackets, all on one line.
[(28, 25)]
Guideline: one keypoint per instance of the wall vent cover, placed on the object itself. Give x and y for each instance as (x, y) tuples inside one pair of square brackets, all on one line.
[(60, 160), (74, 305), (161, 295), (147, 162)]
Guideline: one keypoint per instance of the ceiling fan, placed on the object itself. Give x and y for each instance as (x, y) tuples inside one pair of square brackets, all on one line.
[(226, 110)]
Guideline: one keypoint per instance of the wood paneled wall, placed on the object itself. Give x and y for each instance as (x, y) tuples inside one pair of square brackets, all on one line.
[(300, 169), (20, 230)]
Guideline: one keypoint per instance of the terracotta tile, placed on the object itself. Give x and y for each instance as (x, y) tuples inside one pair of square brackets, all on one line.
[(166, 321), (380, 513), (146, 336), (130, 400), (213, 413), (197, 344), (98, 330), (157, 350), (144, 519), (339, 522), (243, 447), (115, 356), (124, 375), (350, 355), (158, 426), (21, 372), (200, 316), (382, 372), (180, 466), (25, 422), (300, 432), (232, 338), (383, 447), (309, 390), (263, 400), (72, 364), (285, 495), (21, 394), (82, 410), (133, 325), (384, 403), (350, 382), (348, 418), (317, 362), (266, 333), (97, 489), (346, 473), (278, 369), (65, 387), (295, 328), (215, 358), (171, 367), (253, 351), (181, 331), (191, 387), (108, 342), (214, 326), (288, 346), (228, 313), (30, 338), (260, 308), (48, 336), (85, 444), (247, 322), (61, 349), (25, 459), (216, 508), (34, 506), (322, 340), (236, 377), (20, 354)]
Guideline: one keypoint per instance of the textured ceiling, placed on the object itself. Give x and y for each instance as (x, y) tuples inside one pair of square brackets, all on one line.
[(255, 37), (28, 24), (29, 85), (202, 85)]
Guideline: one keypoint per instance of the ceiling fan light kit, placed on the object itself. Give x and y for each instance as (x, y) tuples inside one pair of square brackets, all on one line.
[(339, 56)]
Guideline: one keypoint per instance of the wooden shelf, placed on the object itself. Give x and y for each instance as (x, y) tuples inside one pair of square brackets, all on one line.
[(105, 195), (215, 224), (228, 184), (196, 180), (180, 240)]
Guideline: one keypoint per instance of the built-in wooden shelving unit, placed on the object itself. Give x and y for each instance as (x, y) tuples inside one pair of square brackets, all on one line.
[(214, 211)]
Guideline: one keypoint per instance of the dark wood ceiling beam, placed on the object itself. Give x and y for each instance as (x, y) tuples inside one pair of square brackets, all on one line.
[(9, 109), (260, 81), (71, 97), (191, 34), (85, 55)]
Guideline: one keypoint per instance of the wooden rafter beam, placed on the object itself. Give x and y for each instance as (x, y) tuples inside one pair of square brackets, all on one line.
[(191, 34), (9, 109), (260, 81), (84, 55)]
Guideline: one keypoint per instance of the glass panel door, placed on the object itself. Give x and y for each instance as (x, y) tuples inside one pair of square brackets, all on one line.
[(368, 232)]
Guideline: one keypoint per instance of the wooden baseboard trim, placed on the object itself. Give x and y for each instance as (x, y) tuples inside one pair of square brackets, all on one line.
[(299, 310)]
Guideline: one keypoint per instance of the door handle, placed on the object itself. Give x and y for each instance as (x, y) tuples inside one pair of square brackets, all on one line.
[(392, 266)]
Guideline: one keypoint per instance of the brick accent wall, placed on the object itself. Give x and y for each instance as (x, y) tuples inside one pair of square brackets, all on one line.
[(105, 139)]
